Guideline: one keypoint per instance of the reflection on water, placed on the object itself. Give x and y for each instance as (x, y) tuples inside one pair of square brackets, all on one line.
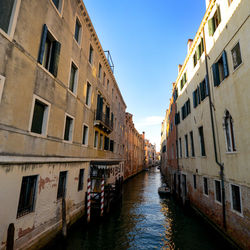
[(145, 221)]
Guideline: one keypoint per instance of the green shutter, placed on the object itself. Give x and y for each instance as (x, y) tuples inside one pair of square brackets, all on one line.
[(42, 44), (55, 54), (225, 65), (211, 26), (198, 52), (218, 13), (216, 74), (202, 45), (185, 77)]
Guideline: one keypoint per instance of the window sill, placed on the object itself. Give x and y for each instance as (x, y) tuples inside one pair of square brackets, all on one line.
[(237, 67), (46, 70), (218, 202), (38, 135), (231, 152), (87, 106), (72, 93), (19, 217), (68, 142), (238, 213), (206, 195), (84, 145), (78, 44), (57, 11)]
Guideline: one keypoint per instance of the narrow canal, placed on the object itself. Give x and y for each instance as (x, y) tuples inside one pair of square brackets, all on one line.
[(145, 221)]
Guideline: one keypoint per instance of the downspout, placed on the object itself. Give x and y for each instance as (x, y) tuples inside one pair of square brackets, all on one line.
[(221, 165)]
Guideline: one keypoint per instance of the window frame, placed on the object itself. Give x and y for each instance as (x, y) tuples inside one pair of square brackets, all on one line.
[(91, 55), (79, 40), (13, 21), (87, 137), (64, 188), (204, 193), (81, 180), (202, 142), (215, 192), (234, 69), (72, 129), (2, 82), (231, 199), (75, 87), (34, 196), (88, 101), (45, 124)]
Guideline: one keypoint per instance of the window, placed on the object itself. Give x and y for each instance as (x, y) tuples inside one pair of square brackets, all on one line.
[(202, 143), (108, 84), (106, 143), (100, 71), (81, 180), (183, 80), (186, 144), (185, 110), (40, 117), (196, 97), (58, 4), (217, 191), (68, 132), (214, 22), (101, 142), (236, 55), (27, 195), (61, 191), (194, 178), (180, 148), (73, 78), (78, 31), (6, 14), (229, 132), (192, 144), (88, 94), (236, 198), (177, 118), (96, 139), (111, 147), (220, 69), (91, 52), (49, 52), (104, 78), (200, 49), (204, 89), (195, 58), (205, 185), (85, 135)]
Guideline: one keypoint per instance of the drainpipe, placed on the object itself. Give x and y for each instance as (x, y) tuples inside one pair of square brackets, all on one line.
[(221, 165)]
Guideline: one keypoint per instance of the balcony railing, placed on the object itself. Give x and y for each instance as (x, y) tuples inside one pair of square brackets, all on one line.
[(103, 122)]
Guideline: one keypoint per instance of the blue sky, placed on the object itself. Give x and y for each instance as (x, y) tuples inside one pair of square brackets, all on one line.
[(147, 40)]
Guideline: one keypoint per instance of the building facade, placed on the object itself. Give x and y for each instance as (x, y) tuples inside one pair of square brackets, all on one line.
[(150, 154), (61, 114), (134, 149), (163, 150), (213, 126)]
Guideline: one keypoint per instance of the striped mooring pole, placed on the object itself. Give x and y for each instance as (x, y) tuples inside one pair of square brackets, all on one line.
[(89, 200), (102, 196)]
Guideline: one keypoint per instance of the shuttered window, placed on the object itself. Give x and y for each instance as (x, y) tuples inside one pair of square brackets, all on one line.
[(220, 69), (49, 52), (236, 55), (214, 22)]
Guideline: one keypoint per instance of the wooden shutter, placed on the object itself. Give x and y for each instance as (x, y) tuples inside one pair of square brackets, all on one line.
[(198, 95), (218, 13), (211, 26), (216, 74), (225, 65), (55, 54), (206, 86), (42, 44), (194, 99)]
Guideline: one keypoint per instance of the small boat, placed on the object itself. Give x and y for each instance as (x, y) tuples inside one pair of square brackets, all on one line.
[(164, 190)]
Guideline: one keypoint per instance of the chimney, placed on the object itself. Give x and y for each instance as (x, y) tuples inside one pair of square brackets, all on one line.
[(179, 68), (190, 42)]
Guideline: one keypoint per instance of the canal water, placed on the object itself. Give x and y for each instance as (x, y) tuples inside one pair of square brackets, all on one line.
[(145, 221)]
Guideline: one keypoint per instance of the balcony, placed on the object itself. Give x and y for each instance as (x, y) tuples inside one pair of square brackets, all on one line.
[(103, 122)]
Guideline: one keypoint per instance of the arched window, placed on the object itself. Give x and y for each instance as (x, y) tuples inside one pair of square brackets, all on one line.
[(229, 132)]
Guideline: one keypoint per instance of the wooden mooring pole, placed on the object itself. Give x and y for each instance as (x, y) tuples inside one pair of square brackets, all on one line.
[(102, 196), (64, 220), (89, 200)]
